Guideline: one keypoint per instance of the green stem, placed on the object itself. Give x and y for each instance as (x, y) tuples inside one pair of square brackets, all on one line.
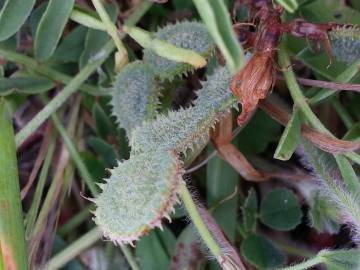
[(75, 221), (34, 209), (68, 90), (43, 69), (199, 223), (122, 55), (75, 155), (12, 233), (129, 257), (344, 115), (296, 92), (75, 248), (300, 100), (304, 265)]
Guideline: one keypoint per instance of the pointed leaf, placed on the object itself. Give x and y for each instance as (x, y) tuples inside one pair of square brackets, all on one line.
[(290, 137), (12, 15), (51, 27)]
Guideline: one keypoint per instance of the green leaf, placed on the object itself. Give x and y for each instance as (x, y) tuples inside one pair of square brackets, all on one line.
[(12, 235), (51, 26), (323, 215), (290, 137), (103, 124), (258, 134), (348, 174), (249, 211), (35, 17), (280, 210), (353, 133), (155, 250), (104, 150), (221, 182), (70, 49), (216, 17), (25, 85), (261, 253), (341, 259), (12, 15)]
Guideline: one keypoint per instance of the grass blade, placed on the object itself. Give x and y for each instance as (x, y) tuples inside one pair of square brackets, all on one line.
[(217, 19), (12, 236)]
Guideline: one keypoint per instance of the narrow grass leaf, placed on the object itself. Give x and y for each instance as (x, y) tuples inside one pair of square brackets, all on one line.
[(51, 26), (12, 235), (217, 19), (348, 174), (290, 137), (13, 15)]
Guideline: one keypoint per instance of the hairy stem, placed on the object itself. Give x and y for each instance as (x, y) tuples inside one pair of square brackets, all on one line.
[(305, 264), (194, 214)]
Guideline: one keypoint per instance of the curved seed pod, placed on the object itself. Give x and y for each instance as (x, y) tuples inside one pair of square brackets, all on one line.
[(135, 97), (345, 43), (183, 129), (188, 35), (140, 192)]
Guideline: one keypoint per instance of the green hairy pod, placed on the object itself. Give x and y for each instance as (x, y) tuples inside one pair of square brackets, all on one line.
[(136, 96), (345, 43), (188, 35), (140, 192), (184, 129), (143, 190)]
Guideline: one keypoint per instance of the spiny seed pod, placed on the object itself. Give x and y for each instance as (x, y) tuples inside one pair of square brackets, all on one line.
[(139, 194), (187, 35), (135, 97), (345, 43), (184, 129)]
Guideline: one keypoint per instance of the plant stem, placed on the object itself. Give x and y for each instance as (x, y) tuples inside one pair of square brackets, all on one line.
[(75, 155), (129, 257), (304, 265), (68, 90), (34, 209), (12, 234), (43, 69), (300, 100), (342, 112), (75, 221), (72, 250), (199, 223), (296, 92), (122, 55)]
